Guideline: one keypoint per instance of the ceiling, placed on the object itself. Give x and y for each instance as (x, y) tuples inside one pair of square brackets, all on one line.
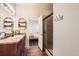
[(33, 9)]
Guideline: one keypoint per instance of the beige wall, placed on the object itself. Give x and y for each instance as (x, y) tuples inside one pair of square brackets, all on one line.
[(66, 31)]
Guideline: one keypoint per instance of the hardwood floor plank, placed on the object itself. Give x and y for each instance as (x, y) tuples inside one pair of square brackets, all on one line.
[(34, 51)]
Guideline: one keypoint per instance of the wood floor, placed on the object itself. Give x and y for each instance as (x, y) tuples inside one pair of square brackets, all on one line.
[(35, 51)]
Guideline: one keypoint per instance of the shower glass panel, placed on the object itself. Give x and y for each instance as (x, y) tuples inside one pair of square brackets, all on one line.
[(48, 34)]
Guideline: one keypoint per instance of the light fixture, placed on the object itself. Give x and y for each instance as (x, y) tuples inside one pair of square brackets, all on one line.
[(8, 7)]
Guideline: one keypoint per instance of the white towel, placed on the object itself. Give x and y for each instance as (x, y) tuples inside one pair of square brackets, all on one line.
[(7, 23), (22, 20), (8, 20), (8, 28), (23, 24)]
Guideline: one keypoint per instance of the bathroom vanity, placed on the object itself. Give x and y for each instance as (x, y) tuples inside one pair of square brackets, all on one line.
[(12, 46)]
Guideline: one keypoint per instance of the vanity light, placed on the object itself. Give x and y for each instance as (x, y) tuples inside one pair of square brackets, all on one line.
[(8, 7)]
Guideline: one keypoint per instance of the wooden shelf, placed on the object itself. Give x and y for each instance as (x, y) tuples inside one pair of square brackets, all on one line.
[(21, 26), (8, 25), (22, 22), (7, 21)]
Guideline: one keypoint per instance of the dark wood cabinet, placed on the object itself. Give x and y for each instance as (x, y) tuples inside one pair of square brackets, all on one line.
[(15, 48)]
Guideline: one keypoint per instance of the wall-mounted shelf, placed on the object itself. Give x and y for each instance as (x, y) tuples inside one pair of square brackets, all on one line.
[(22, 25), (8, 26)]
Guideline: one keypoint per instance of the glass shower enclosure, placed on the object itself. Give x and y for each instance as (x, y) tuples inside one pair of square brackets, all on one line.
[(48, 34)]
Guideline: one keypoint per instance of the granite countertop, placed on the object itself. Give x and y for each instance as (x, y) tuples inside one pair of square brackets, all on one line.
[(11, 40)]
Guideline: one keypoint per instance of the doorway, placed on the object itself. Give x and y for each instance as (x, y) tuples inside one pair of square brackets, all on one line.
[(33, 30)]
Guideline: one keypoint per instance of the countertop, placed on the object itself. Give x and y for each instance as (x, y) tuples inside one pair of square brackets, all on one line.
[(11, 40)]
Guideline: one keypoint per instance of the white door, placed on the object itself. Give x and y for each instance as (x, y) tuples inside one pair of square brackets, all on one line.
[(40, 33)]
